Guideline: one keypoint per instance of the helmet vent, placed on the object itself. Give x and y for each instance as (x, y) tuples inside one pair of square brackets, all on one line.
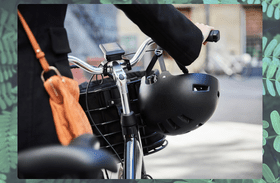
[(172, 124), (162, 128), (184, 118), (197, 87)]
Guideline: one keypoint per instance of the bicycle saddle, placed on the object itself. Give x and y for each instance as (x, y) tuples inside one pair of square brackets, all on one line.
[(56, 160)]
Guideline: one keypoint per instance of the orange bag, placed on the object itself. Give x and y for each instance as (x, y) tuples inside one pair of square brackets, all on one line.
[(69, 117)]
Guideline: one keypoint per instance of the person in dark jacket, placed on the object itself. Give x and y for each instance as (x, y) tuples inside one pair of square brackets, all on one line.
[(163, 23)]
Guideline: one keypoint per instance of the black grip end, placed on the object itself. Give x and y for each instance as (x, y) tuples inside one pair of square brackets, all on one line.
[(214, 36)]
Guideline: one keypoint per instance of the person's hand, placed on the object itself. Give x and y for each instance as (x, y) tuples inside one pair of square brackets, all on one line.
[(205, 29)]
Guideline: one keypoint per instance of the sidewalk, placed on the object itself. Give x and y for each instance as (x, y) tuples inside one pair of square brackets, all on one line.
[(217, 150)]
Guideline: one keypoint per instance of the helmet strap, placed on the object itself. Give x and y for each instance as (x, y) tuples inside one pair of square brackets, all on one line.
[(183, 68), (151, 65), (159, 56), (161, 63)]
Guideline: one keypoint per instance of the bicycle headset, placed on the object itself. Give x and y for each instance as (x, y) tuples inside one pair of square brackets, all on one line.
[(178, 104)]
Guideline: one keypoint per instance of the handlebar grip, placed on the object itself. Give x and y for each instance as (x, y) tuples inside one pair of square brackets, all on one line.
[(214, 36)]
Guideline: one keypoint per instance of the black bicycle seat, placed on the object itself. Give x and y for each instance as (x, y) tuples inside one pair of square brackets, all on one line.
[(56, 160), (85, 140)]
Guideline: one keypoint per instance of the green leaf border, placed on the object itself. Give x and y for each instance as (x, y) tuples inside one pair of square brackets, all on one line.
[(8, 107)]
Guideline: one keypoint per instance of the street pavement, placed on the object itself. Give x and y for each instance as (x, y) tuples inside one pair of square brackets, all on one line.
[(228, 146)]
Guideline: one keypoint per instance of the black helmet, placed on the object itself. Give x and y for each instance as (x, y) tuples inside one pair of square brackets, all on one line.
[(175, 105)]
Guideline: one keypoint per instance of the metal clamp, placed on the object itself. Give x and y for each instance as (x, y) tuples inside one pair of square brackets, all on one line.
[(55, 70), (121, 82), (158, 52)]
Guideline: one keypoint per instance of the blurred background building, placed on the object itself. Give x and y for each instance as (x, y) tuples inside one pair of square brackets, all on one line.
[(240, 25)]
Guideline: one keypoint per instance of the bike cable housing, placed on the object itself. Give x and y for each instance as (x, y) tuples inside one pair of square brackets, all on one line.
[(178, 104)]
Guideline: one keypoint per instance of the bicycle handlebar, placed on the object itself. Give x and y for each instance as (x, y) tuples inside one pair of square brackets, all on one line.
[(99, 70), (214, 36), (85, 66), (141, 51)]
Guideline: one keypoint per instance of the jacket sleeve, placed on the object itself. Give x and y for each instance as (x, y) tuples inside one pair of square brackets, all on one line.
[(169, 28)]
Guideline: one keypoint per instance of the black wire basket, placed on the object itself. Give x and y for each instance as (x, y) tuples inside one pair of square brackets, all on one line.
[(104, 107)]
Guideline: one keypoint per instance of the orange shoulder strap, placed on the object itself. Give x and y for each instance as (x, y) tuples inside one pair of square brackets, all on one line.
[(39, 53), (69, 117)]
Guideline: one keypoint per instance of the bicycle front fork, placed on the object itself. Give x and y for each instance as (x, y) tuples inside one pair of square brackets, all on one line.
[(133, 152)]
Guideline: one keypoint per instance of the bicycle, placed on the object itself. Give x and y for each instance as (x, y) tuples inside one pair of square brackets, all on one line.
[(85, 156)]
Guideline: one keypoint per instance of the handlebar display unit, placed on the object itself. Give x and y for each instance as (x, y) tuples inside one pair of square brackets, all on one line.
[(112, 51)]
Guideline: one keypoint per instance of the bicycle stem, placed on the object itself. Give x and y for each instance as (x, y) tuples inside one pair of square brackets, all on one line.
[(120, 79), (133, 156)]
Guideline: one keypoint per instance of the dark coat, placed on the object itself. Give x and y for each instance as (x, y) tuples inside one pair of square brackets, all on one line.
[(163, 23), (35, 121)]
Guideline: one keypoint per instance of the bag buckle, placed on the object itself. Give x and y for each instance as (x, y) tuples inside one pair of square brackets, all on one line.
[(51, 68)]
